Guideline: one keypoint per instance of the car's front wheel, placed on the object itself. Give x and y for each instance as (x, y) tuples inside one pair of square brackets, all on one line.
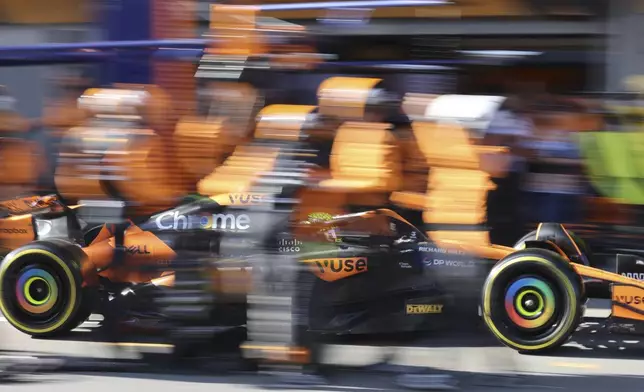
[(532, 300)]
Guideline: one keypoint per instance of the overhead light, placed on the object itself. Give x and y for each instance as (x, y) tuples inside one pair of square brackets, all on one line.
[(500, 53)]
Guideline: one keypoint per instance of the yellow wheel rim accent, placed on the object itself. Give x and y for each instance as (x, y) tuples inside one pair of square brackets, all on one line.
[(31, 299), (487, 305), (518, 303), (71, 303)]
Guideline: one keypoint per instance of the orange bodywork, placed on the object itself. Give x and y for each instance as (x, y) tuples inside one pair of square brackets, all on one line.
[(627, 293), (143, 249), (16, 231), (628, 302)]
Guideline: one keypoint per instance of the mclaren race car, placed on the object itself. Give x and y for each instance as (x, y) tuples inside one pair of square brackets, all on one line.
[(374, 272)]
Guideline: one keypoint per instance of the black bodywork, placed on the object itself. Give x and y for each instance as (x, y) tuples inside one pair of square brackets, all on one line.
[(408, 283)]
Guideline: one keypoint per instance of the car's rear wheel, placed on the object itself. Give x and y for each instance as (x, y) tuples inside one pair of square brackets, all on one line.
[(532, 300), (41, 289)]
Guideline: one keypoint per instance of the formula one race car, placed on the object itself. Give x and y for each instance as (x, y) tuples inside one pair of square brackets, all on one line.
[(375, 272)]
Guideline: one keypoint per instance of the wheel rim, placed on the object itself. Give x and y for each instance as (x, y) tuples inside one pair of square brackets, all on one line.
[(36, 291), (530, 303)]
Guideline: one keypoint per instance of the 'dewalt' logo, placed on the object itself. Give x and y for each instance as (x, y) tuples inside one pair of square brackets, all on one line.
[(331, 270), (424, 309)]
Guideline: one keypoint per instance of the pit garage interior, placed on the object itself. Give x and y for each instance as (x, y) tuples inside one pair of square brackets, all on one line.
[(562, 45)]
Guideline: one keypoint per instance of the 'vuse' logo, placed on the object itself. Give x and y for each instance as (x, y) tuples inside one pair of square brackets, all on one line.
[(339, 268), (246, 198), (629, 299)]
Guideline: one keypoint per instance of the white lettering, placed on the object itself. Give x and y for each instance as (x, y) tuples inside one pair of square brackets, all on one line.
[(454, 263), (243, 222), (289, 249), (634, 275), (230, 221), (440, 250), (180, 219), (159, 221), (431, 249), (219, 221)]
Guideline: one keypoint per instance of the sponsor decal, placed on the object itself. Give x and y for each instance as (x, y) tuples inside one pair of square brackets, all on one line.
[(226, 222), (628, 299), (629, 296), (289, 246), (404, 265), (137, 250), (433, 262), (431, 249), (246, 198), (335, 269), (172, 220), (634, 275), (424, 309), (13, 231)]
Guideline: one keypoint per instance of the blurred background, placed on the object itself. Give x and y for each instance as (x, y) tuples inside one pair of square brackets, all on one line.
[(564, 64)]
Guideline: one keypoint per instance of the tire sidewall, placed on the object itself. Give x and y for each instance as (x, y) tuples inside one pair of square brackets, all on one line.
[(550, 267), (67, 265)]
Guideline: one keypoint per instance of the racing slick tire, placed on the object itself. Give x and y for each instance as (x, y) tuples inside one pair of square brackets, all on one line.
[(41, 288), (533, 300)]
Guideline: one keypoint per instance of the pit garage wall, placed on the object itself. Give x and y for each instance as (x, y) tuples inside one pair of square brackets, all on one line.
[(31, 85), (624, 43)]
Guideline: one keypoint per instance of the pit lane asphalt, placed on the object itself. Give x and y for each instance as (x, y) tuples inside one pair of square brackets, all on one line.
[(592, 361)]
